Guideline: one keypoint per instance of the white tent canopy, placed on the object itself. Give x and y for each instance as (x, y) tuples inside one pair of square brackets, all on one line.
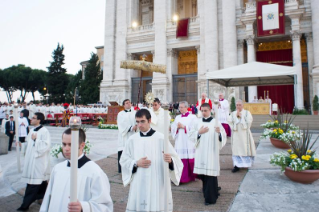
[(252, 74)]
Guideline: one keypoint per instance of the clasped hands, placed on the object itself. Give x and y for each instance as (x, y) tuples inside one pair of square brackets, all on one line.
[(180, 126), (34, 136), (144, 163), (204, 130)]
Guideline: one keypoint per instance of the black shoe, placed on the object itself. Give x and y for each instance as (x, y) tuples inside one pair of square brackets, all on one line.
[(207, 203), (235, 169), (22, 209)]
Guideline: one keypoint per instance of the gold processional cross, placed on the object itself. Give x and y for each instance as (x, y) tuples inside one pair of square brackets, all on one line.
[(142, 65)]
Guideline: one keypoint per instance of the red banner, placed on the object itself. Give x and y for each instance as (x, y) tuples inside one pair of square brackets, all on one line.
[(182, 28), (274, 14)]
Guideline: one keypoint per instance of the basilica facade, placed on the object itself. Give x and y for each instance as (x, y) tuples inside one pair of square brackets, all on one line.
[(221, 34)]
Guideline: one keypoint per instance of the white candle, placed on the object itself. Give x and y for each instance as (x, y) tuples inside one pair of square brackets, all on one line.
[(166, 171), (75, 125), (16, 120)]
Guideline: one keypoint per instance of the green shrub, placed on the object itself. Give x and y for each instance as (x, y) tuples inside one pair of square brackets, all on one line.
[(315, 103), (233, 104), (300, 111)]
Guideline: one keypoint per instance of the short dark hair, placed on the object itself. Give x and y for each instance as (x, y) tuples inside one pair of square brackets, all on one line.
[(82, 136), (206, 105), (40, 117), (157, 100), (125, 100), (143, 112)]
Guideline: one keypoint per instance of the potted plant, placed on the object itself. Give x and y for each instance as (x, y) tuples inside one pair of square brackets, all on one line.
[(280, 130), (315, 105), (300, 163)]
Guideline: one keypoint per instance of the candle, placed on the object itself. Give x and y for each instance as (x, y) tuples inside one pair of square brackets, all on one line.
[(165, 106), (75, 125), (264, 94)]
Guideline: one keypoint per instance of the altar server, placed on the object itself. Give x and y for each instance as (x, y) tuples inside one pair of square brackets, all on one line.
[(36, 170), (93, 189), (183, 145), (126, 126), (243, 145), (209, 138), (143, 167)]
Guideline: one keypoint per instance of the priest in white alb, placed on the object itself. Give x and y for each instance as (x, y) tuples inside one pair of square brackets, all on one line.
[(143, 161), (23, 131), (126, 127), (157, 113), (183, 145), (223, 113), (36, 170), (201, 101), (210, 138), (242, 141), (93, 187)]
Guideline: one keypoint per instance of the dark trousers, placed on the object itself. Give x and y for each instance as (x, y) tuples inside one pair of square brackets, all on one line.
[(210, 188), (11, 136), (119, 154), (32, 193)]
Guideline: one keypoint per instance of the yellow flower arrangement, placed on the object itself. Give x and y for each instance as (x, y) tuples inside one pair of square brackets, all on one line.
[(269, 121), (316, 160), (293, 132), (293, 156), (289, 150), (276, 122), (309, 151), (286, 122), (305, 157)]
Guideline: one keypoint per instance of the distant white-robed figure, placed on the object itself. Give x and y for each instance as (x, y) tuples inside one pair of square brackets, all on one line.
[(243, 145), (157, 113), (201, 101)]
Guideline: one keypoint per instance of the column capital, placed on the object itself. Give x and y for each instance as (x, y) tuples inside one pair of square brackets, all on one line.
[(198, 49), (240, 43), (171, 52), (309, 37), (250, 39), (295, 35)]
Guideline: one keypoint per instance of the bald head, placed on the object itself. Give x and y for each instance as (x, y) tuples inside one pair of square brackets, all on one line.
[(221, 96), (204, 95)]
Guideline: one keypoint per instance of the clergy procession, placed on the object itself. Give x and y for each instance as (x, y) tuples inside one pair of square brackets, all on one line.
[(155, 153)]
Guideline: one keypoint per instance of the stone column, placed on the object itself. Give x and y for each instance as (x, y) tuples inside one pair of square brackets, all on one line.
[(229, 33), (315, 33), (251, 57), (171, 68), (210, 43), (310, 50), (240, 52), (296, 52), (135, 12), (160, 82), (109, 43), (109, 49)]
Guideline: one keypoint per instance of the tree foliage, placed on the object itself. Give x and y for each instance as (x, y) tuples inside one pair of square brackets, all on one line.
[(74, 82), (232, 104), (89, 89), (57, 79)]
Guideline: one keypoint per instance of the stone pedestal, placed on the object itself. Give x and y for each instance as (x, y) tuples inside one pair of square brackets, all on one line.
[(4, 143)]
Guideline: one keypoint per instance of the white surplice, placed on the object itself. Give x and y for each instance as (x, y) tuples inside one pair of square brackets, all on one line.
[(158, 120), (147, 184), (208, 147), (32, 109), (125, 123), (183, 145), (93, 189), (199, 104), (23, 125), (223, 111), (37, 158)]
